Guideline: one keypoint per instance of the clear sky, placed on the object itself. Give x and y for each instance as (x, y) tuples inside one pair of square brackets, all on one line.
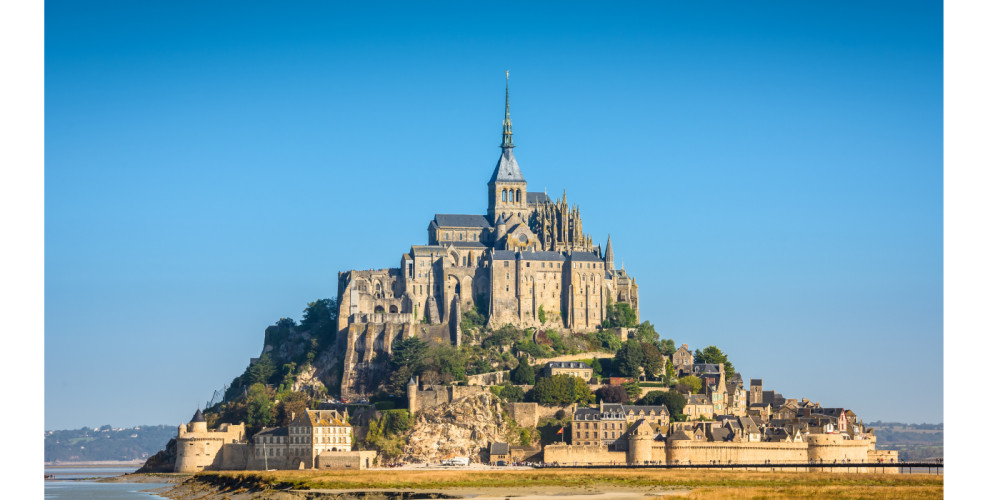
[(771, 173)]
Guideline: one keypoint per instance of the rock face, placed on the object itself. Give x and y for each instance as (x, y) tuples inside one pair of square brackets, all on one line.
[(465, 428), (163, 460)]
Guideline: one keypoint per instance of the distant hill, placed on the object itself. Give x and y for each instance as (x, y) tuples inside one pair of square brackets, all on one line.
[(914, 441), (89, 444)]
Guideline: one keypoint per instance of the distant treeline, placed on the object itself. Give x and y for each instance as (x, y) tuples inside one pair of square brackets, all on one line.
[(919, 427), (106, 443)]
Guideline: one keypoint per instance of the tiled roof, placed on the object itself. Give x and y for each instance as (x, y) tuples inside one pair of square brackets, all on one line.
[(462, 220), (324, 418)]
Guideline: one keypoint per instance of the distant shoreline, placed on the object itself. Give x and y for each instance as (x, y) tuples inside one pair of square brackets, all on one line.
[(97, 463)]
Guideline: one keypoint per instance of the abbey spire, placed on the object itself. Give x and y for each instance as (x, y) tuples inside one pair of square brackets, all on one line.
[(508, 134), (508, 191)]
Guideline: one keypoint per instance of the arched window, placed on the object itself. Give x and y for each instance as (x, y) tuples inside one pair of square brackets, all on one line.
[(504, 195), (519, 196)]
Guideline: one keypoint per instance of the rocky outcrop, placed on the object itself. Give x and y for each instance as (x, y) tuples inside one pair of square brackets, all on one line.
[(464, 428), (163, 460)]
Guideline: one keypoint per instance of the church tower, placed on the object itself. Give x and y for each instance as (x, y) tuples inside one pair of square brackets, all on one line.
[(508, 191)]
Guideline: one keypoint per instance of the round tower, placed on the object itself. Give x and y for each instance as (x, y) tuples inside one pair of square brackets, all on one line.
[(640, 444), (198, 423), (411, 395)]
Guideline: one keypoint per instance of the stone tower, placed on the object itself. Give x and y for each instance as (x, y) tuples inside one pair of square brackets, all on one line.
[(508, 191), (411, 395)]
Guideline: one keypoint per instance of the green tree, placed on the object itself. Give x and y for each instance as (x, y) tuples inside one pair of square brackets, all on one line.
[(609, 340), (714, 355), (646, 333), (620, 314), (524, 374), (652, 360), (541, 314), (260, 371), (596, 365), (260, 407), (408, 352), (689, 382), (629, 359), (508, 392), (612, 394), (319, 313), (667, 347), (561, 390), (673, 400), (632, 389), (294, 403)]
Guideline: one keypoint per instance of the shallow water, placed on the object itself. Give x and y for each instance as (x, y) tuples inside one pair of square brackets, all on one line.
[(70, 483)]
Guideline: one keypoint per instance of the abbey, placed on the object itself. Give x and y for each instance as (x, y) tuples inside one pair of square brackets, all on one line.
[(525, 262)]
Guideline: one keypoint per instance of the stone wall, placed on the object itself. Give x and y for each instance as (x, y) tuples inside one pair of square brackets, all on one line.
[(568, 454), (525, 414), (699, 452), (491, 378), (430, 396), (345, 460)]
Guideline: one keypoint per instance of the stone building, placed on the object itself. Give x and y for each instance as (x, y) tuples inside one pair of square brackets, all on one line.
[(525, 262), (682, 359), (571, 368), (607, 424)]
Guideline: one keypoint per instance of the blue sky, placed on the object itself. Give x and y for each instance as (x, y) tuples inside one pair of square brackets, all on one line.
[(771, 173)]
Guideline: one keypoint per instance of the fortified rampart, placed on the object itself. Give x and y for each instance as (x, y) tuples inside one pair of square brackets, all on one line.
[(816, 449), (568, 454), (199, 449)]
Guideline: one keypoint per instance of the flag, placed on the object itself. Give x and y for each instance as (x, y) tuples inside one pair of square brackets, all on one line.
[(560, 430)]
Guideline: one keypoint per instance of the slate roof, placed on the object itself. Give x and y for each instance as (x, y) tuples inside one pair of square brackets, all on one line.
[(543, 256), (499, 449), (698, 399), (504, 255), (535, 197), (461, 220), (272, 431), (756, 381), (467, 244), (507, 169), (198, 416), (567, 364), (585, 257)]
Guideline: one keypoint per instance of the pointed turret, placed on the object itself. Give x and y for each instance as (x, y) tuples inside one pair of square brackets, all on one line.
[(198, 416), (609, 256)]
